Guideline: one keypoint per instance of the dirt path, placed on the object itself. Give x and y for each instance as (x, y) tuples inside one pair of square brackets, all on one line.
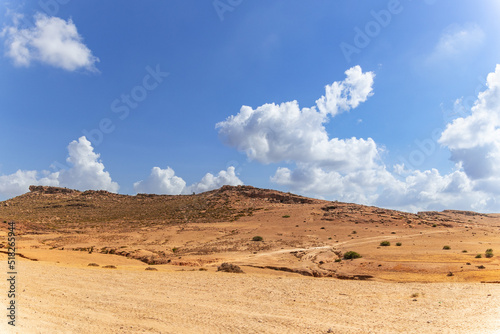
[(350, 242)]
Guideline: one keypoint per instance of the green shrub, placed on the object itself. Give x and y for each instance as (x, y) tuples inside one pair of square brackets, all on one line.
[(385, 243), (398, 244), (446, 247), (489, 253), (286, 216), (338, 260), (478, 256), (351, 255), (257, 238), (434, 225)]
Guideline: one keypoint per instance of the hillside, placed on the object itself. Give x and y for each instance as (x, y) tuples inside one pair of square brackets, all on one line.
[(300, 235)]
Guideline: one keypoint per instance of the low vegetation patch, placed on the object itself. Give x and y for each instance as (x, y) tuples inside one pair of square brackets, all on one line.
[(398, 244), (257, 238), (489, 253), (151, 268), (286, 216), (351, 255), (446, 247), (478, 256), (385, 243), (93, 264), (110, 267)]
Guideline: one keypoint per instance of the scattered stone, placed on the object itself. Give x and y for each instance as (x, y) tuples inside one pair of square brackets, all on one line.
[(229, 268)]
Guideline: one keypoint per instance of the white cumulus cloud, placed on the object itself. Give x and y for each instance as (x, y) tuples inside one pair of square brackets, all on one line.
[(51, 41), (347, 94), (351, 170), (18, 183), (285, 132), (356, 186), (474, 141), (210, 182), (161, 181), (430, 190), (415, 191), (164, 181), (86, 172)]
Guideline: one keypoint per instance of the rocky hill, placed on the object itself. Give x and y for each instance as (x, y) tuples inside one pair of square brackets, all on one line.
[(67, 207), (255, 228)]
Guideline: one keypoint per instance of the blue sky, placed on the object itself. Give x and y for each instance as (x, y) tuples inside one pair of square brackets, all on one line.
[(153, 86)]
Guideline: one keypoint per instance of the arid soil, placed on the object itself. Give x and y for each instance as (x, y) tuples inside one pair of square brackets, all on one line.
[(58, 298), (295, 280)]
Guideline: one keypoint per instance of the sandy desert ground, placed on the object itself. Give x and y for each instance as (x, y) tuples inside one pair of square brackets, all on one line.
[(295, 280), (58, 298)]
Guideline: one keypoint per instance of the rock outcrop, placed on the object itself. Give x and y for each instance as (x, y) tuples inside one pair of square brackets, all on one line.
[(51, 190)]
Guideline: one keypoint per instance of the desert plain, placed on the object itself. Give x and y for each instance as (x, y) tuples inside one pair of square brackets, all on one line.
[(97, 262)]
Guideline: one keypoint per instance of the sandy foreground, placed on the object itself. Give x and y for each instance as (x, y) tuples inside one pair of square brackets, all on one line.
[(56, 298), (426, 280)]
